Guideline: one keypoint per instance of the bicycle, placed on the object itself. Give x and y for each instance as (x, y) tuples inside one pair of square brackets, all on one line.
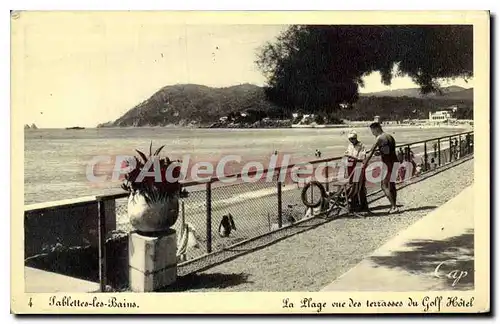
[(331, 203)]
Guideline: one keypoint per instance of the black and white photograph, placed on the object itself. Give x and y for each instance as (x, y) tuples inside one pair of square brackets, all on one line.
[(169, 153)]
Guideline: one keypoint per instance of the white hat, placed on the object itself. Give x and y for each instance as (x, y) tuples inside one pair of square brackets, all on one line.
[(352, 134)]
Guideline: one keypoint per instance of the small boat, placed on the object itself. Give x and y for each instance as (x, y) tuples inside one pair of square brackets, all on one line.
[(76, 127)]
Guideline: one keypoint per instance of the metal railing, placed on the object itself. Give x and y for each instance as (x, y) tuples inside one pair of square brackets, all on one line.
[(257, 208)]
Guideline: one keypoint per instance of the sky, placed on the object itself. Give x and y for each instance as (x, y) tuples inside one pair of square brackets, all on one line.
[(80, 69)]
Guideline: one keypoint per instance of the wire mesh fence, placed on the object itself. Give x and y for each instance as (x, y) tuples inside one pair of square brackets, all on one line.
[(252, 207), (122, 222)]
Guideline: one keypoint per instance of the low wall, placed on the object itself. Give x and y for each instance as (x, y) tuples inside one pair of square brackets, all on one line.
[(70, 223), (83, 263)]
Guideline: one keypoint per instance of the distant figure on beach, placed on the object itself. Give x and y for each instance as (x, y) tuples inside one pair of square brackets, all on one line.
[(419, 169), (226, 225), (469, 143), (400, 155), (276, 152), (317, 153), (405, 158), (401, 171), (433, 164), (455, 149), (386, 144), (409, 158)]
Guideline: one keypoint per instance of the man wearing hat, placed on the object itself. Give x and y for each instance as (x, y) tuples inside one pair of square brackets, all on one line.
[(355, 153)]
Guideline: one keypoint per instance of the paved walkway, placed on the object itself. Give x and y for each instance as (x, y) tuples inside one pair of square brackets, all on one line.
[(40, 281), (311, 260), (435, 253)]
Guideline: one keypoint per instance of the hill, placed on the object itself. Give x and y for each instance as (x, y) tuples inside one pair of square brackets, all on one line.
[(198, 105), (191, 104), (451, 92), (400, 108)]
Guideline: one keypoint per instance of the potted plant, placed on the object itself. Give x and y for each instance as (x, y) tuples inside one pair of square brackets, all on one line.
[(153, 203)]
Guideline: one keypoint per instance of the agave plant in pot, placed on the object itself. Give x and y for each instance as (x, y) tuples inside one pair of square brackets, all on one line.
[(153, 202)]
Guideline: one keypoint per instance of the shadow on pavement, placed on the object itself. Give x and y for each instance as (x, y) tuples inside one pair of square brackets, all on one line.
[(371, 213), (450, 259), (384, 207), (207, 280), (402, 210)]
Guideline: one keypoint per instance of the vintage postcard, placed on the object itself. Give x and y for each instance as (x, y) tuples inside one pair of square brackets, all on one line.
[(250, 162)]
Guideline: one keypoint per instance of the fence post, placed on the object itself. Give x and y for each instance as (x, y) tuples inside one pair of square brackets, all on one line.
[(451, 150), (101, 212), (327, 185), (460, 153), (280, 222), (439, 152), (425, 156), (467, 143), (472, 143), (209, 216)]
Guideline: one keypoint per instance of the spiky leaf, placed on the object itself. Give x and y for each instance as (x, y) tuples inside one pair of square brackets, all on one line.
[(143, 156), (159, 149)]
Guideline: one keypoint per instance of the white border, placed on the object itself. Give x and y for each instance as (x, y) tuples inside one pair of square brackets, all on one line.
[(184, 5)]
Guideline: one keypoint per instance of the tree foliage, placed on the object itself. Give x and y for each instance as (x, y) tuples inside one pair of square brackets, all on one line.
[(317, 68)]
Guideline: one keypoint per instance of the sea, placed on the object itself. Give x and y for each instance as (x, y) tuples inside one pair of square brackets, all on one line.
[(56, 161)]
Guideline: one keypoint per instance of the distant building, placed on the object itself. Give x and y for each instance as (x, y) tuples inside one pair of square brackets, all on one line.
[(440, 116), (223, 118), (295, 115)]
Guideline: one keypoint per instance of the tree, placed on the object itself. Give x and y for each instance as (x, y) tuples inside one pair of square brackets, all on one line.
[(320, 68)]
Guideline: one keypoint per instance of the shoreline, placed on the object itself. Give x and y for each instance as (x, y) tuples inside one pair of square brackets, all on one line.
[(329, 151), (361, 124)]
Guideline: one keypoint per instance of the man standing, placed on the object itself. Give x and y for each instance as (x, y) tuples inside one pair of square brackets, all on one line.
[(386, 145), (356, 153)]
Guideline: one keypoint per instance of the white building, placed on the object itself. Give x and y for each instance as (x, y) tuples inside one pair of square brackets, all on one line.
[(440, 116)]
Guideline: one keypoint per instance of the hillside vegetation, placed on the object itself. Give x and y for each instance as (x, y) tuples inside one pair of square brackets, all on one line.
[(197, 105)]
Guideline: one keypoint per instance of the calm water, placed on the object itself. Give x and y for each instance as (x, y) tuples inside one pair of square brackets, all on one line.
[(56, 159)]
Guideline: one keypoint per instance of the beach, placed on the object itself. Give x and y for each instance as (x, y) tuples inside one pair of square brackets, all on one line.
[(56, 160)]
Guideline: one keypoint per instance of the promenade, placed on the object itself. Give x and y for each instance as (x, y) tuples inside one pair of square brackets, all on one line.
[(435, 253), (312, 260)]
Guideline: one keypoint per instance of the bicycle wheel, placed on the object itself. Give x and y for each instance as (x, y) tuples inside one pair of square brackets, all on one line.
[(313, 194)]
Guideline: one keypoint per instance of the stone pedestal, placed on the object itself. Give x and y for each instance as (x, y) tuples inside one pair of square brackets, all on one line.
[(152, 261)]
